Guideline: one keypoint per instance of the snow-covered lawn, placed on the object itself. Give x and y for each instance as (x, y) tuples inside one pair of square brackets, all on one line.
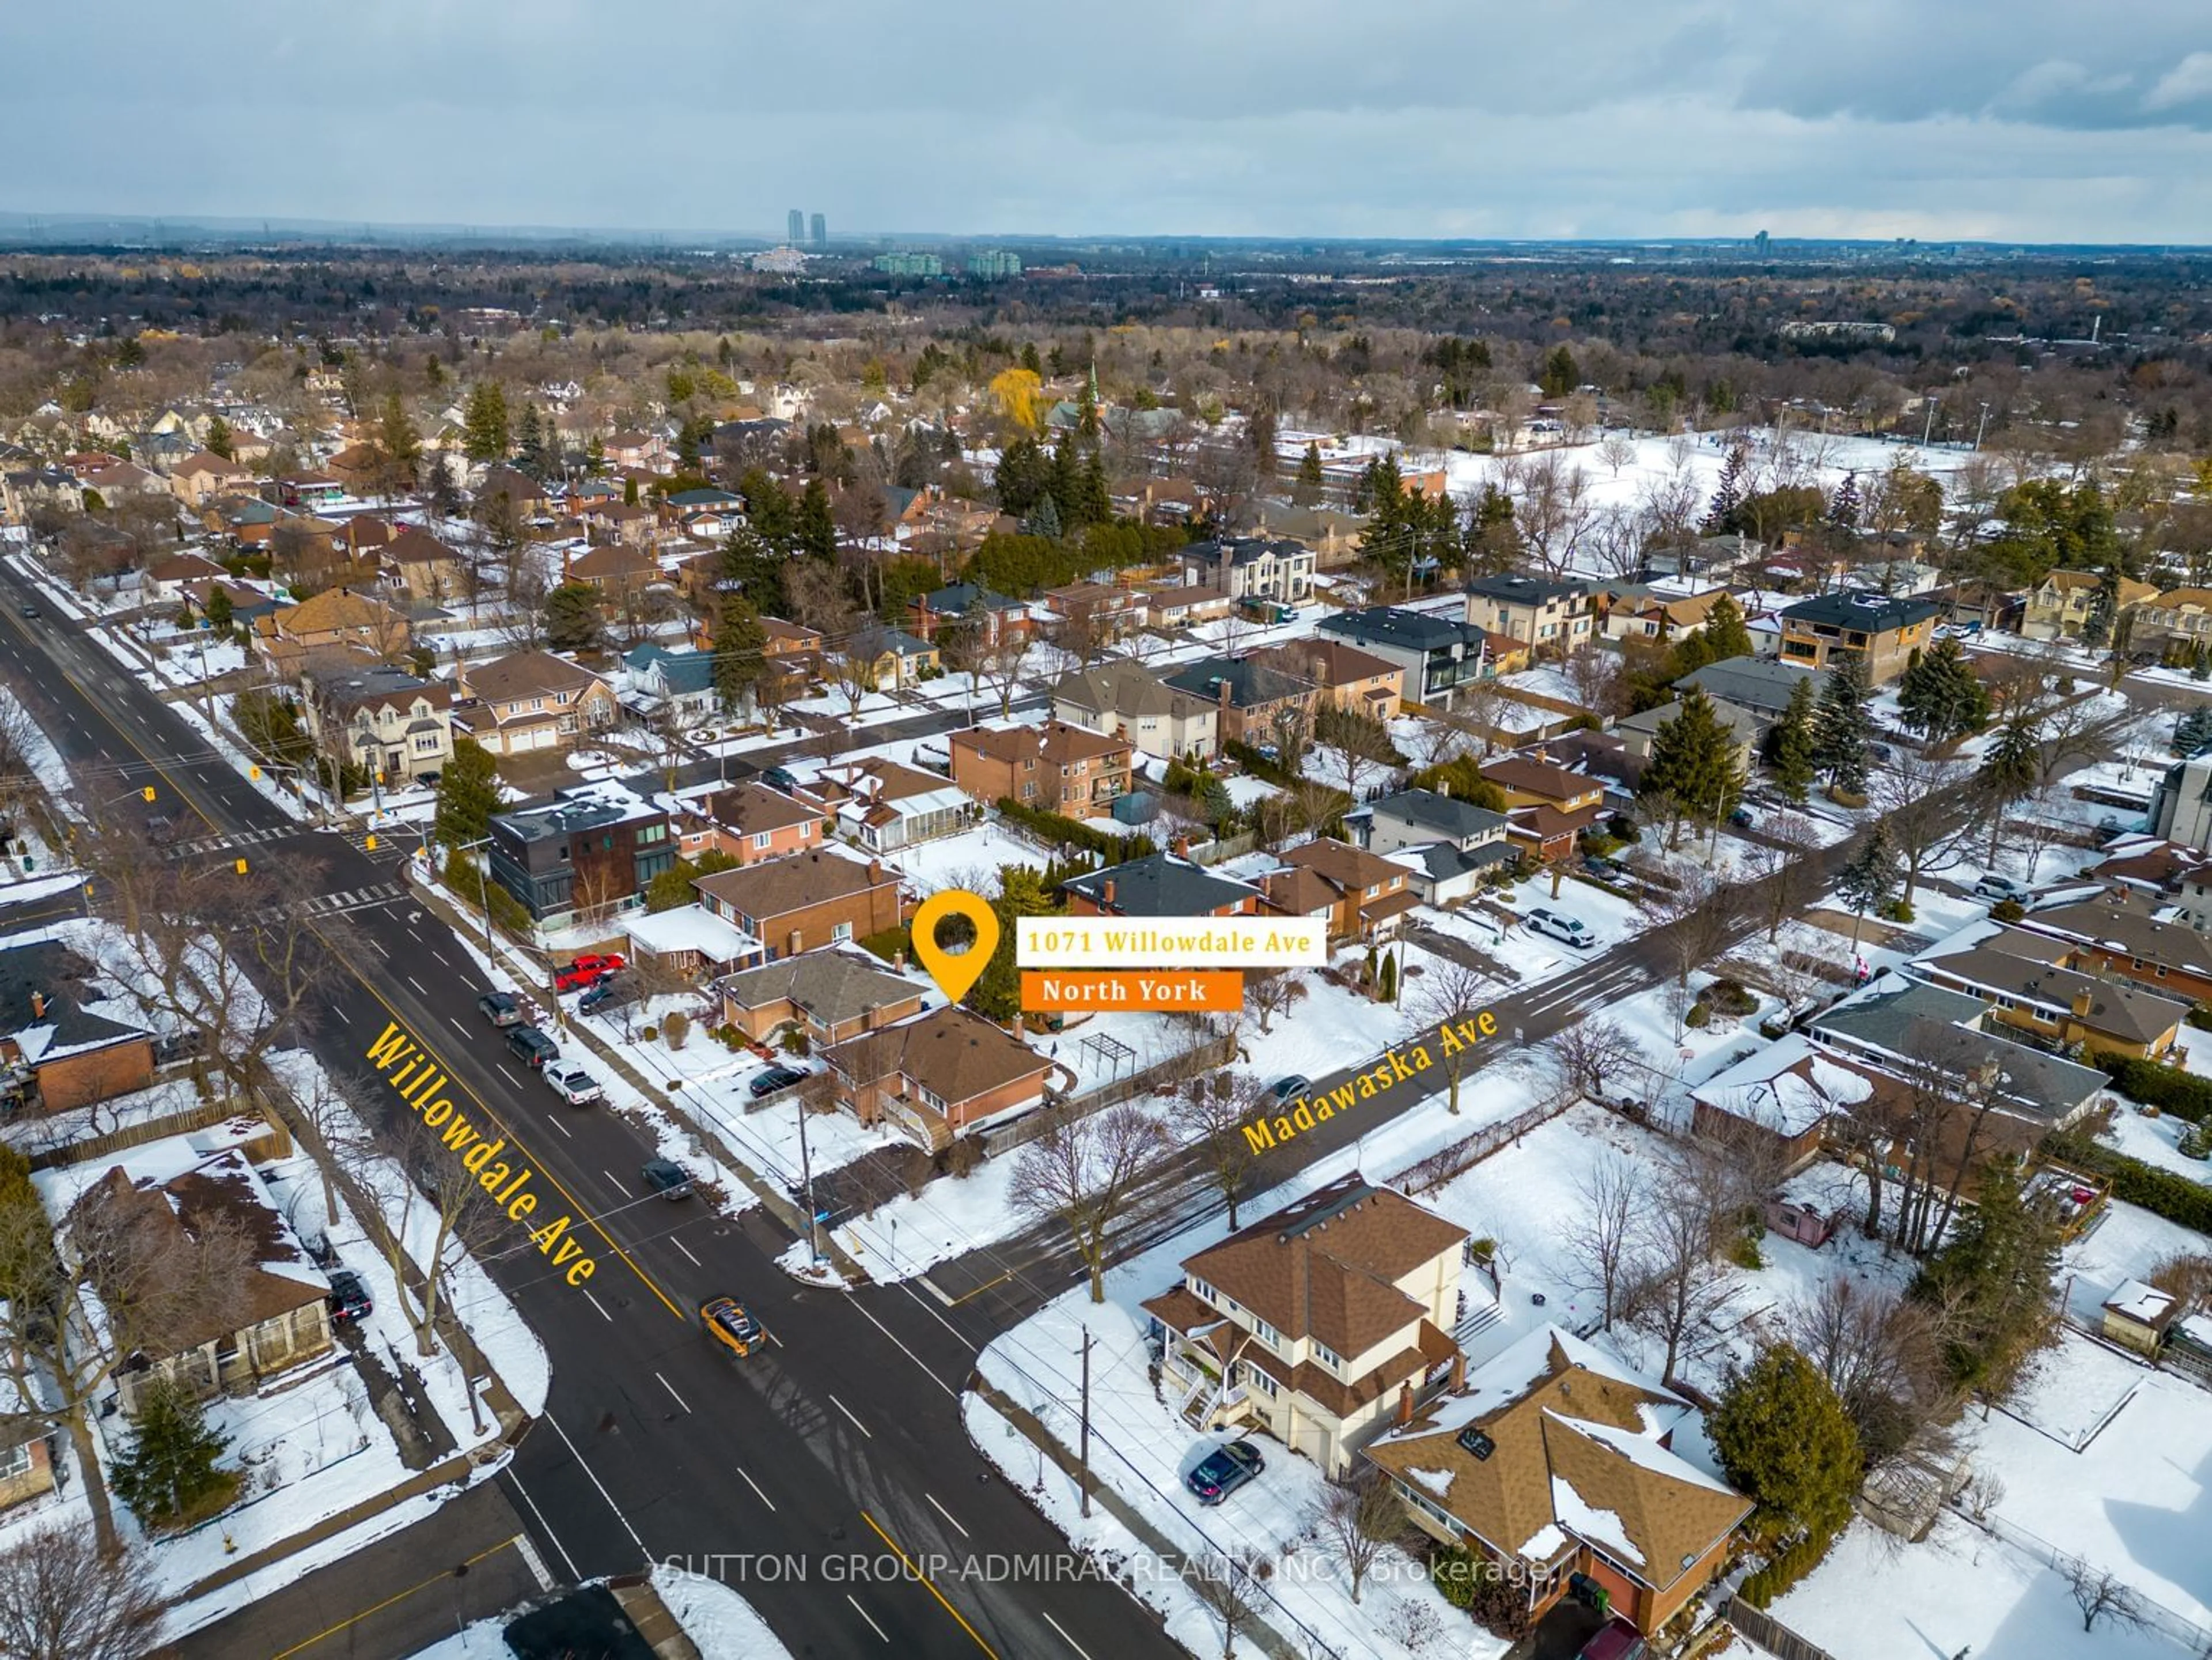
[(970, 859), (2154, 1140), (1957, 1592), (720, 1623)]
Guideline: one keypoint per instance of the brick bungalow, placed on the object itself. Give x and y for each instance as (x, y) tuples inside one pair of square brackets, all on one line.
[(61, 1037), (936, 1077), (808, 899), (750, 822), (830, 995)]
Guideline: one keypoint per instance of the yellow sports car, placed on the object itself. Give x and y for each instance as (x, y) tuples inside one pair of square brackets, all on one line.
[(728, 1324)]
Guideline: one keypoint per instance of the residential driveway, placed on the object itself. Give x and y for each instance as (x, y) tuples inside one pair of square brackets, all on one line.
[(1560, 1634)]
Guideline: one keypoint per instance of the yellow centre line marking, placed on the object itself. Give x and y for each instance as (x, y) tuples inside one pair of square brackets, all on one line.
[(582, 1210), (926, 1581), (399, 1596)]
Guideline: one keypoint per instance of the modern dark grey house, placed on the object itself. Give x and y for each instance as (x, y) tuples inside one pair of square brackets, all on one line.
[(1439, 655), (580, 856)]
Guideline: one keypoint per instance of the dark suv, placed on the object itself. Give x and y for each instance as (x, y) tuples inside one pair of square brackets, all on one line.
[(501, 1008), (532, 1048), (1223, 1470), (349, 1299)]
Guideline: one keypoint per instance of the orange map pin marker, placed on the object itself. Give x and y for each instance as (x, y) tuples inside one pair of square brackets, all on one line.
[(955, 972)]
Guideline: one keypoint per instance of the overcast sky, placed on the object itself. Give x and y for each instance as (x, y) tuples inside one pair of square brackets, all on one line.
[(2055, 120)]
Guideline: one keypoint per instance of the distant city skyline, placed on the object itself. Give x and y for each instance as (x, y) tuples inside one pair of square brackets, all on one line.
[(1590, 119)]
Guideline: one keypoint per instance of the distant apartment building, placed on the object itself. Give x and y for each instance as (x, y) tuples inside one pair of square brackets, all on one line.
[(908, 264), (993, 264)]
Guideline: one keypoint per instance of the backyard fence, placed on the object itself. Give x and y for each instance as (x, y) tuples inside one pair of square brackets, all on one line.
[(2132, 1608), (1208, 1053), (1758, 1626), (1470, 1150)]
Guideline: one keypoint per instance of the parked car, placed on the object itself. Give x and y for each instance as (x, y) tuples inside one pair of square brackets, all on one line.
[(349, 1299), (1743, 819), (586, 971), (574, 1084), (1616, 1640), (1290, 1088), (780, 778), (728, 1324), (501, 1008), (1223, 1470), (613, 988), (1605, 869), (532, 1048), (774, 1079), (667, 1178), (1998, 889), (1573, 930)]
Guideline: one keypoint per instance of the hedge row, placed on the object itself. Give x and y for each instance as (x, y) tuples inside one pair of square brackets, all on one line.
[(1795, 1562), (2169, 1088), (1260, 766), (1055, 827), (2163, 1192)]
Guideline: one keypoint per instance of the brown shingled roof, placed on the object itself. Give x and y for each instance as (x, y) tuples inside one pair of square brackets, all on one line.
[(954, 1054), (776, 887)]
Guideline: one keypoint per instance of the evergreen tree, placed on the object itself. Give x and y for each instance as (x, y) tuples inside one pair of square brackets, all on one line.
[(1845, 507), (1043, 519), (996, 995), (1728, 493), (1307, 487), (219, 439), (1788, 1444), (2104, 610), (1386, 985), (170, 1465), (2200, 662), (769, 511), (1869, 880), (1023, 475), (1032, 361), (530, 443), (399, 444), (2012, 765), (2190, 733), (595, 455), (1843, 727), (1941, 697), (1790, 748), (757, 569), (814, 529), (1066, 484), (572, 619), (1560, 374), (218, 608), (1992, 1279), (740, 652), (1493, 545), (468, 794), (1094, 501), (483, 430), (1693, 760), (1724, 632), (629, 491)]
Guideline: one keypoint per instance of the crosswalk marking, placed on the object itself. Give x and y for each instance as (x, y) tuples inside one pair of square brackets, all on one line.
[(351, 899), (236, 839)]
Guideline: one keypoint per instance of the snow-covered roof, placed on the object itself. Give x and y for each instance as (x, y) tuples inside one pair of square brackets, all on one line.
[(691, 929), (2133, 1300), (1789, 1087)]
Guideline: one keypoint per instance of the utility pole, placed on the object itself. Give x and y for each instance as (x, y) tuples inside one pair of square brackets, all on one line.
[(1982, 425), (807, 1183), (1083, 1453)]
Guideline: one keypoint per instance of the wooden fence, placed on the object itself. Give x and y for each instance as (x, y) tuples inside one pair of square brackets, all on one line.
[(1758, 1626), (1470, 1150), (89, 1148), (1211, 1052)]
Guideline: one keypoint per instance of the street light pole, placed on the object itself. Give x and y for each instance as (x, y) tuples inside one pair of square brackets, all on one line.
[(807, 1183)]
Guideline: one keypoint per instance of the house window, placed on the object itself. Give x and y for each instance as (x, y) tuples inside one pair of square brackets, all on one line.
[(1328, 1357), (15, 1462), (650, 833), (1260, 1380), (841, 933), (930, 1097), (761, 838), (1265, 1333)]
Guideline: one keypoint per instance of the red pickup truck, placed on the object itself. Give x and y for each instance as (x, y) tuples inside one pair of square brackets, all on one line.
[(588, 970)]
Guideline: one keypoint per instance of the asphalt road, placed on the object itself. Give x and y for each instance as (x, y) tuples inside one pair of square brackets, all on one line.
[(836, 1449)]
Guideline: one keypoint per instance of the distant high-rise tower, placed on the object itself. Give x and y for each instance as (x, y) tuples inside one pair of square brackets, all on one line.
[(797, 227), (821, 231)]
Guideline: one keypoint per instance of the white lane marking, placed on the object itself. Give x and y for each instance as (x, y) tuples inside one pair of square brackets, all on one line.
[(847, 1411), (688, 1258), (417, 984), (604, 1315), (440, 955), (596, 1482), (338, 1009), (457, 1025), (863, 1613), (510, 1077), (535, 1563), (1064, 1636), (612, 1183), (542, 1522), (686, 1405), (904, 1350), (946, 1513), (931, 1287), (756, 1486), (563, 1127)]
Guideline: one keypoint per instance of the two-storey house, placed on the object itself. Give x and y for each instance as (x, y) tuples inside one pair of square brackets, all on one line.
[(1320, 1323), (2059, 605), (1248, 694), (748, 824), (1436, 656), (1251, 568), (1551, 618), (1365, 896), (1160, 884), (1887, 632), (884, 807), (1445, 845), (531, 700), (938, 1076), (1056, 767), (1126, 700), (381, 718)]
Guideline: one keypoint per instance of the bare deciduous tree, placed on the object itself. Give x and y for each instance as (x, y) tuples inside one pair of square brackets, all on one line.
[(2101, 1594), (1913, 794), (62, 1598), (1877, 1351), (1001, 665), (1271, 992), (1209, 1117), (1084, 1171), (1682, 1283), (1357, 1516), (1228, 1582), (1450, 994), (1585, 1053), (1782, 876), (1601, 1230)]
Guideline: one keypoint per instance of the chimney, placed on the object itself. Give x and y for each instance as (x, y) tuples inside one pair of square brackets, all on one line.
[(1221, 690), (1458, 1371), (793, 942), (899, 961), (37, 1005), (1405, 1405), (1443, 787), (1182, 847), (2083, 999), (1106, 894)]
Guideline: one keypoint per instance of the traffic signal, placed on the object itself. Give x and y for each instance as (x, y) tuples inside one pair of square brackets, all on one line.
[(241, 867), (147, 793), (371, 844), (253, 772)]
